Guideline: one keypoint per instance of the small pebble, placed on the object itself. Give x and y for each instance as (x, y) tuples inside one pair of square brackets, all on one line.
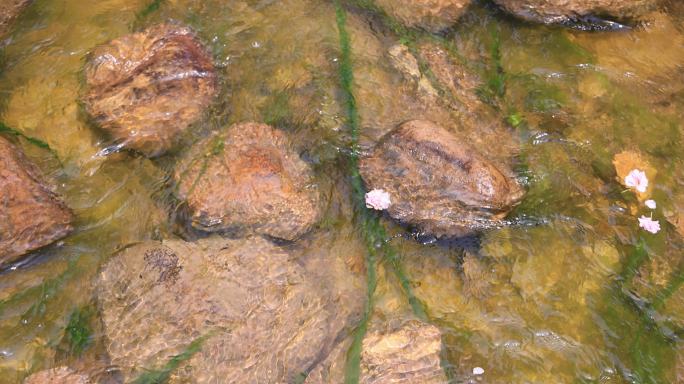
[(478, 371)]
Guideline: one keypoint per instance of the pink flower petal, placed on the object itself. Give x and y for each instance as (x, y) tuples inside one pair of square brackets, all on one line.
[(648, 224), (378, 199), (650, 204), (637, 179)]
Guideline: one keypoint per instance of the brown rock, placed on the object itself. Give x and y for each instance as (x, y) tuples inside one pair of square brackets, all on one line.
[(437, 183), (479, 123), (408, 354), (61, 375), (431, 15), (565, 11), (31, 214), (249, 179), (9, 10), (269, 313), (457, 100), (146, 88)]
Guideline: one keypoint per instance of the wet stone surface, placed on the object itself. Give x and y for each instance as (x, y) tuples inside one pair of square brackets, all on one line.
[(249, 179), (409, 353), (563, 11), (9, 10), (31, 214), (431, 15), (61, 375), (447, 91), (437, 183), (146, 88), (267, 313), (479, 124)]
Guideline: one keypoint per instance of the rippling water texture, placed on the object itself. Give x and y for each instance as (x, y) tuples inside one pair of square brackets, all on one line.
[(571, 292)]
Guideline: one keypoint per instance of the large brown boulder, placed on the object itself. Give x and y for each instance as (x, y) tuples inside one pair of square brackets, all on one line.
[(409, 353), (31, 214), (9, 10), (431, 15), (249, 179), (438, 183), (564, 11), (268, 313), (146, 88)]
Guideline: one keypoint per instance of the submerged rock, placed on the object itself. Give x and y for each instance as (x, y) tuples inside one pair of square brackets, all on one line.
[(9, 10), (31, 214), (438, 184), (249, 179), (564, 11), (146, 88), (431, 15), (450, 93), (407, 354), (61, 375), (477, 277), (267, 313)]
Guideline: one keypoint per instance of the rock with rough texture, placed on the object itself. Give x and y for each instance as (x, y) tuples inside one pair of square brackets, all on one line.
[(61, 375), (565, 11), (268, 313), (479, 123), (249, 179), (431, 15), (407, 354), (31, 214), (437, 183), (457, 100), (146, 88), (9, 10)]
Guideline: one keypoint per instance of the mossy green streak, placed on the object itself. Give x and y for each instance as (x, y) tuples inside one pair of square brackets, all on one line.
[(4, 129), (79, 332), (364, 218), (374, 233), (162, 375)]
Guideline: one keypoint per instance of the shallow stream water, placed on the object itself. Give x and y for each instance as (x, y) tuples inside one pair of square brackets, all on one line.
[(570, 291)]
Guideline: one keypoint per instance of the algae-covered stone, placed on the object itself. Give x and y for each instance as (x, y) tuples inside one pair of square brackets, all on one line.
[(267, 313), (438, 183), (564, 11), (447, 85), (146, 88), (409, 353), (31, 214), (432, 15), (249, 179)]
